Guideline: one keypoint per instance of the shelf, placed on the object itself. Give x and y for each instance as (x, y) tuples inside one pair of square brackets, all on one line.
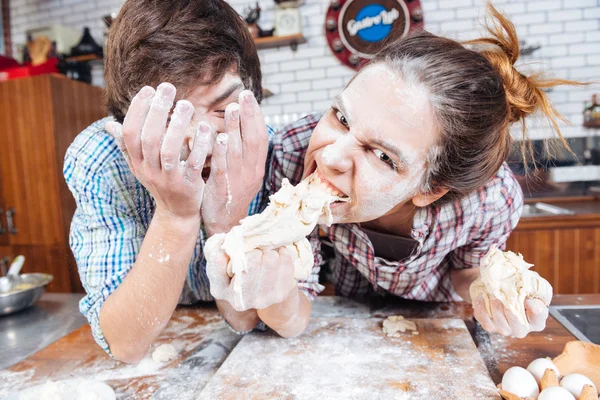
[(595, 124), (84, 58), (266, 93), (278, 41)]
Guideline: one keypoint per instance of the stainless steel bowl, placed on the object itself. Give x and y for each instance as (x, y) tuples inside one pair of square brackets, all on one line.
[(23, 292)]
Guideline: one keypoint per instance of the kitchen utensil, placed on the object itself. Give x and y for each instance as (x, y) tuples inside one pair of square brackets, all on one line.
[(345, 358), (23, 292), (16, 265), (11, 276)]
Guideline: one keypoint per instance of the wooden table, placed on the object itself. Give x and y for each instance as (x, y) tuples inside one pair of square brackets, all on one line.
[(204, 342)]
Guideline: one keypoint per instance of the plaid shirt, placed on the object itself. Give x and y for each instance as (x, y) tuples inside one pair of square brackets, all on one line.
[(113, 214), (454, 235)]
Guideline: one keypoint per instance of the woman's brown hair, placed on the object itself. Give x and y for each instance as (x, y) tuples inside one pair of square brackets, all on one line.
[(185, 42), (475, 94)]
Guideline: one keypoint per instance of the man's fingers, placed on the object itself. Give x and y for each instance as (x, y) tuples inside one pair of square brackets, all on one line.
[(115, 130), (197, 157), (156, 123), (285, 258), (234, 143), (173, 141), (134, 122), (255, 136), (218, 161), (537, 314)]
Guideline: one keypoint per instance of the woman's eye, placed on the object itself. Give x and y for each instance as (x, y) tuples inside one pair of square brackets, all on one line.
[(385, 158), (340, 117), (220, 113)]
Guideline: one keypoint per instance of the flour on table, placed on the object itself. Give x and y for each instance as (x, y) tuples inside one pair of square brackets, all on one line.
[(164, 353), (395, 324), (292, 214), (506, 276), (75, 389)]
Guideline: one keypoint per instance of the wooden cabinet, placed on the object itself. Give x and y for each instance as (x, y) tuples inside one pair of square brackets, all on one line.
[(40, 117), (565, 250)]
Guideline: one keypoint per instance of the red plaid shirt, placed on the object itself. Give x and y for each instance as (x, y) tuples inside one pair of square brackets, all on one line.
[(453, 235)]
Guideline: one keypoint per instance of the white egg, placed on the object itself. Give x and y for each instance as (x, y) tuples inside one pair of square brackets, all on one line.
[(574, 383), (539, 366), (519, 381), (555, 393)]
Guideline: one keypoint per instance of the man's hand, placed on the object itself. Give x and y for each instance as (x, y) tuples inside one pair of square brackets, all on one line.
[(268, 280), (237, 166), (153, 150), (504, 322)]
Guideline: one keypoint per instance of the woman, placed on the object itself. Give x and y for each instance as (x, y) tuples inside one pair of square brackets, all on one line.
[(418, 141)]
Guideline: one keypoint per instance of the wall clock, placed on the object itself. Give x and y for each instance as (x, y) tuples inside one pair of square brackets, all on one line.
[(356, 29)]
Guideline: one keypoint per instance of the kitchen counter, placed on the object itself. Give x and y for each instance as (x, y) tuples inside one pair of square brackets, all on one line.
[(585, 212), (581, 205), (26, 332), (204, 342)]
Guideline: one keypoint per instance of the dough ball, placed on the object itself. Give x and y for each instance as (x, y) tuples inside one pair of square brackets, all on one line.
[(164, 353)]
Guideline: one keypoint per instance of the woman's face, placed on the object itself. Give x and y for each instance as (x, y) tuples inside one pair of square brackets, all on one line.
[(372, 145)]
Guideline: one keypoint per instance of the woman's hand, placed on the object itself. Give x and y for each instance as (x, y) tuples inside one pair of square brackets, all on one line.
[(269, 279), (153, 150), (504, 322), (237, 166)]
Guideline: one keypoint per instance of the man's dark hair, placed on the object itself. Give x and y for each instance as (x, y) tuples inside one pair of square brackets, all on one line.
[(188, 43)]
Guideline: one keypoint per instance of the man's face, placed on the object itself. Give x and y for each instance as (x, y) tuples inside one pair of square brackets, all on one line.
[(373, 144), (210, 103)]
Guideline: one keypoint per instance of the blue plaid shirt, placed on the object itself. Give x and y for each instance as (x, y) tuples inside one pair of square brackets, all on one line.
[(113, 214)]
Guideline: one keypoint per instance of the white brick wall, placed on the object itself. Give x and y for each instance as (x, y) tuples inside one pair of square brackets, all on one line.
[(303, 81)]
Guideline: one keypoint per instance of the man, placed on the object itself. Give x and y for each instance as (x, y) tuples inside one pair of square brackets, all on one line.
[(144, 209)]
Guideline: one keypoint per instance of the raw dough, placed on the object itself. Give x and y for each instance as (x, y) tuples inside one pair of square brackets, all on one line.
[(395, 324), (506, 276), (164, 353), (292, 214)]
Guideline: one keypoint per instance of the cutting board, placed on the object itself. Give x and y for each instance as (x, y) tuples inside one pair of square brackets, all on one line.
[(338, 358)]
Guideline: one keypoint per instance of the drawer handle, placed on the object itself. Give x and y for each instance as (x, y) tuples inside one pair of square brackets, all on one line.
[(9, 221), (2, 230), (4, 265)]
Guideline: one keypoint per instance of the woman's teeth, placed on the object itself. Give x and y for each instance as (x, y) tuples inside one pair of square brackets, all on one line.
[(329, 189)]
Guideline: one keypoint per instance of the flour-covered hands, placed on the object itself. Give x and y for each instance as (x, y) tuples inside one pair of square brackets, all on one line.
[(152, 150), (505, 322), (267, 280), (237, 165)]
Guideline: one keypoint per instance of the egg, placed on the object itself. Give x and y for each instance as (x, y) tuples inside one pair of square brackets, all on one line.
[(555, 393), (519, 381), (539, 366), (574, 383)]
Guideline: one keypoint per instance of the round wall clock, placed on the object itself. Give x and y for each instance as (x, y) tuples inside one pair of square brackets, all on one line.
[(356, 29)]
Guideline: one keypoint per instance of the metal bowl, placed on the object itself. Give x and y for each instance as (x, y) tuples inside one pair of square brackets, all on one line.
[(23, 292)]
